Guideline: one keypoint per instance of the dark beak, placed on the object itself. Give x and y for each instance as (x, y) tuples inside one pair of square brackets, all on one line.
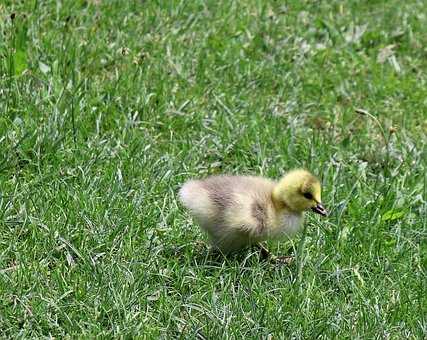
[(320, 209)]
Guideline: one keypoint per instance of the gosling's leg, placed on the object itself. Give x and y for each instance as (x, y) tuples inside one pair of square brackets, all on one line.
[(265, 255), (263, 252)]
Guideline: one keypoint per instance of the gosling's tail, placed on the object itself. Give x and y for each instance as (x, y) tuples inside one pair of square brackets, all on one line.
[(195, 197)]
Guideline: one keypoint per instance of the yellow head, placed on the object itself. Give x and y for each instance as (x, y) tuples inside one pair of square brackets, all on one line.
[(298, 191)]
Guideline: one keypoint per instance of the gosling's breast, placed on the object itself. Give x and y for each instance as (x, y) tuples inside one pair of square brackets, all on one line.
[(289, 225)]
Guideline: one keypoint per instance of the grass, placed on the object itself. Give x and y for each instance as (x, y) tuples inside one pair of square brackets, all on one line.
[(108, 107)]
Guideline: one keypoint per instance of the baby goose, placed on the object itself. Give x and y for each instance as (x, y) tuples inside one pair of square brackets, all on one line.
[(238, 211)]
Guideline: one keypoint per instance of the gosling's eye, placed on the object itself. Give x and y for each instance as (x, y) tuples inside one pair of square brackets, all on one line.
[(308, 196)]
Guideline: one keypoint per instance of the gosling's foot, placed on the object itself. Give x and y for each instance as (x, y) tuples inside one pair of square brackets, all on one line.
[(287, 260)]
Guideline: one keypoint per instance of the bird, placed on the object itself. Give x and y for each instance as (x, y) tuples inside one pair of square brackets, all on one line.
[(241, 211)]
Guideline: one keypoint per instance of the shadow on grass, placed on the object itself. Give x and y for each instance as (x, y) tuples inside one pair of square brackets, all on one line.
[(201, 254)]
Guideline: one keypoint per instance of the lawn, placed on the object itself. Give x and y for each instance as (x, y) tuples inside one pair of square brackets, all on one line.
[(107, 107)]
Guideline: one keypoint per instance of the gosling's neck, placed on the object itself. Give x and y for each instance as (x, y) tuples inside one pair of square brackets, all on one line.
[(280, 205)]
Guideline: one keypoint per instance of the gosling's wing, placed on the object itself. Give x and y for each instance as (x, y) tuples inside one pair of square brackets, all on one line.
[(252, 209), (247, 218), (232, 209)]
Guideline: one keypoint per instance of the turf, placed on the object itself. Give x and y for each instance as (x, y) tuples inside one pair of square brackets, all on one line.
[(108, 107)]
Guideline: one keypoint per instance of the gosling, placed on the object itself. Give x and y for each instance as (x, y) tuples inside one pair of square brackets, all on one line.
[(240, 211)]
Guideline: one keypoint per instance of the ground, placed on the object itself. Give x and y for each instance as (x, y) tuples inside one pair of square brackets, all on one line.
[(109, 106)]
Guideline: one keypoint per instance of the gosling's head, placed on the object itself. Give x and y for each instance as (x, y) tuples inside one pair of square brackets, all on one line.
[(298, 191)]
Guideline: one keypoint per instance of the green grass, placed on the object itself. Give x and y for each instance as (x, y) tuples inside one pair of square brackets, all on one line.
[(108, 107)]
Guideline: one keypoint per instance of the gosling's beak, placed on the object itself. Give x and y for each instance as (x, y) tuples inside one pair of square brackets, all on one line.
[(320, 209)]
